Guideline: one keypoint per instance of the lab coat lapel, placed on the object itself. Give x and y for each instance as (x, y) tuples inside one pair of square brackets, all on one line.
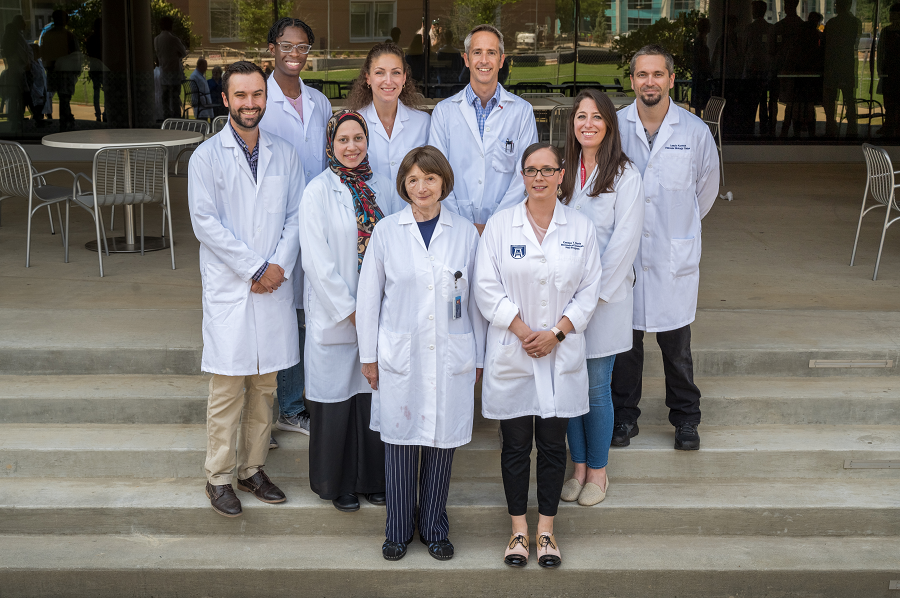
[(638, 125), (229, 142), (444, 219), (468, 114), (265, 157), (341, 192), (521, 219), (558, 219), (375, 126), (408, 221), (665, 129)]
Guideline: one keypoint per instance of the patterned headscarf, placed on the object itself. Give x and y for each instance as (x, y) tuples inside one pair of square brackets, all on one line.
[(367, 211)]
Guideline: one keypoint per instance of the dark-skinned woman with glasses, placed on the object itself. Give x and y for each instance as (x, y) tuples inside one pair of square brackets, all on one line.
[(537, 279), (298, 114)]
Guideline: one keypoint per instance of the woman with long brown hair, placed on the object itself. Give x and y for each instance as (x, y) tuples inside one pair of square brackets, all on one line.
[(601, 183), (386, 95)]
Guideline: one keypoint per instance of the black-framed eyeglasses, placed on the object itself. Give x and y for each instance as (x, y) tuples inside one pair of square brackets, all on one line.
[(287, 47), (532, 172)]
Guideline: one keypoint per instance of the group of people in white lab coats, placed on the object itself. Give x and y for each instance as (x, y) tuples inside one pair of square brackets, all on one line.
[(424, 253)]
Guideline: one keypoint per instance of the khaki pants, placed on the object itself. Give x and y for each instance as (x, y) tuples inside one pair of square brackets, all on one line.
[(230, 409)]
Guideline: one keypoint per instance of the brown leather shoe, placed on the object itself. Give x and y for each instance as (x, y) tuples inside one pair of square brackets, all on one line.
[(223, 500), (262, 488)]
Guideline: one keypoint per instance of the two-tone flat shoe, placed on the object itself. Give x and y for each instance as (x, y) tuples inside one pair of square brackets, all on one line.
[(516, 554)]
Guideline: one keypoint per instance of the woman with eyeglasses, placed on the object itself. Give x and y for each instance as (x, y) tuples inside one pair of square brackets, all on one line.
[(298, 114), (604, 185), (386, 95), (537, 278)]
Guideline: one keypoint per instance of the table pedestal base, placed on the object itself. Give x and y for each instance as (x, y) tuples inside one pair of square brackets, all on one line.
[(118, 244)]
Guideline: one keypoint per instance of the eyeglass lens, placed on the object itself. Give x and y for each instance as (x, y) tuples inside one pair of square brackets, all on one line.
[(288, 48)]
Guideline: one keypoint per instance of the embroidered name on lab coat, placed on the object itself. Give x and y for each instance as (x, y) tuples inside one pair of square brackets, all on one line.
[(674, 146), (517, 251), (574, 245)]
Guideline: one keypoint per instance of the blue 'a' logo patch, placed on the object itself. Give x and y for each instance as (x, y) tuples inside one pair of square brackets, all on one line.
[(517, 251)]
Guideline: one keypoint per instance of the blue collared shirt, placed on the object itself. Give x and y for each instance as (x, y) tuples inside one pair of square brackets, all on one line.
[(252, 157), (481, 114)]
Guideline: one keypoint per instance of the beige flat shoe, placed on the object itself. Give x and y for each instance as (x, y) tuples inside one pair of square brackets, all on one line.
[(592, 494), (571, 490)]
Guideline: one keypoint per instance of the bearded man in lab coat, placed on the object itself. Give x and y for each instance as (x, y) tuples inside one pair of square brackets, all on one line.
[(677, 156), (243, 191)]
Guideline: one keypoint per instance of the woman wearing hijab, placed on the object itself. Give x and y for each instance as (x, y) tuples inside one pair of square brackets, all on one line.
[(338, 212)]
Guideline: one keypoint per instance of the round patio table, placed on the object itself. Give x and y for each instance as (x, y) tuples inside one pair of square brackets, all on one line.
[(112, 138)]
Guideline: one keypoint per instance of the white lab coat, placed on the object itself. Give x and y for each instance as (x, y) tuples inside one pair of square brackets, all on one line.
[(307, 137), (385, 153), (328, 251), (681, 182), (241, 224), (618, 218), (426, 359), (486, 170), (514, 275)]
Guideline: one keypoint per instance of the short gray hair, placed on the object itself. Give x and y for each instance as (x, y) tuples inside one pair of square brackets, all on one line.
[(480, 28), (653, 50)]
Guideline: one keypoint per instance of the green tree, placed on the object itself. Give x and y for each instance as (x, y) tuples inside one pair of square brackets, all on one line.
[(466, 14), (82, 20), (675, 36), (255, 18)]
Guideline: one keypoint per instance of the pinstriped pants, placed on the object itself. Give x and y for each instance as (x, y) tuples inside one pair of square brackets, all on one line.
[(401, 466)]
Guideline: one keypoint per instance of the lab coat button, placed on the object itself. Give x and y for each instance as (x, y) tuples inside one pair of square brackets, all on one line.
[(543, 324), (648, 200), (431, 347), (392, 162), (543, 282), (431, 317), (578, 207), (543, 260), (430, 287), (431, 257), (543, 304), (479, 181), (646, 235), (646, 268)]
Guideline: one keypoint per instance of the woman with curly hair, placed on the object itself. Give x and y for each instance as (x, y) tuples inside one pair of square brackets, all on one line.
[(386, 95)]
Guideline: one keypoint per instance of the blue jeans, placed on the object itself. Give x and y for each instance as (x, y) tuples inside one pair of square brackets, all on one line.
[(290, 381), (590, 434)]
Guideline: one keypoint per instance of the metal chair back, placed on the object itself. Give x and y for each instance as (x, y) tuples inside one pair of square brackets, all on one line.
[(712, 116), (219, 123), (189, 88), (558, 123), (15, 170), (130, 175), (880, 175), (177, 152)]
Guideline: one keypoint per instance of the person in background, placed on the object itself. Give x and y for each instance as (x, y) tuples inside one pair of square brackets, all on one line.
[(701, 69), (537, 279), (243, 197), (415, 58), (842, 34), (423, 397), (339, 210), (483, 131), (59, 48), (787, 33), (170, 52), (201, 100), (395, 35), (18, 57), (40, 97), (677, 157), (215, 91), (300, 114), (386, 96), (757, 64), (889, 73), (604, 185), (93, 47)]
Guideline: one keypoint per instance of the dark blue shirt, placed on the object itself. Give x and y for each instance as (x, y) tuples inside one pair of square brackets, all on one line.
[(426, 229)]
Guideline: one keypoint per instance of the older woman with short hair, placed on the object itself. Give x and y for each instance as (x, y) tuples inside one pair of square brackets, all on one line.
[(421, 346)]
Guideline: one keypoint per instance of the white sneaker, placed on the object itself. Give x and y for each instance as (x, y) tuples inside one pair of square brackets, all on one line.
[(298, 423)]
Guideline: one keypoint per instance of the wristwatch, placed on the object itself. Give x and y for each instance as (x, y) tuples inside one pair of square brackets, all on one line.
[(560, 335)]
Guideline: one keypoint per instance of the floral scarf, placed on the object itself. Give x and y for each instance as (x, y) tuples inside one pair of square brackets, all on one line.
[(367, 211)]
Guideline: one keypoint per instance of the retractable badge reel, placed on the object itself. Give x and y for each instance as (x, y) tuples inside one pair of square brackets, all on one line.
[(456, 298)]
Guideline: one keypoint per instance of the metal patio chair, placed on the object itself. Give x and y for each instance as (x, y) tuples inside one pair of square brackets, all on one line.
[(558, 118), (18, 178), (881, 183), (712, 116), (177, 153), (218, 124), (132, 175)]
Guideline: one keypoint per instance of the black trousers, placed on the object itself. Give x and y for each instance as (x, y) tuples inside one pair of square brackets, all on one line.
[(515, 461), (345, 456), (682, 395), (402, 467)]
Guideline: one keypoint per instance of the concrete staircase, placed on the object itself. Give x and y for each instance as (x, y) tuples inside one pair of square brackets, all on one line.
[(791, 494)]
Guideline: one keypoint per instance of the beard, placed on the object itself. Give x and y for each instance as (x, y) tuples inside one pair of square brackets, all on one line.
[(246, 121), (651, 101)]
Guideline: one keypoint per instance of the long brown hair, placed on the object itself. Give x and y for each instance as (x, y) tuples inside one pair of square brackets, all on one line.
[(611, 160), (360, 94)]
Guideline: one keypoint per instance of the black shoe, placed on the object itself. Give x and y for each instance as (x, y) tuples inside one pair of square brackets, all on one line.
[(346, 503), (394, 551), (442, 550), (377, 498), (223, 500), (623, 432), (686, 437), (262, 488)]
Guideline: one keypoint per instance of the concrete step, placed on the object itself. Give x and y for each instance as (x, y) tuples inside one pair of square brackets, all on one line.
[(635, 566), (727, 400), (169, 341), (475, 507), (175, 451)]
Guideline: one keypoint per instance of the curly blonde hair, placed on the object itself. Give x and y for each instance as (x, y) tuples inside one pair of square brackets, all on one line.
[(360, 94)]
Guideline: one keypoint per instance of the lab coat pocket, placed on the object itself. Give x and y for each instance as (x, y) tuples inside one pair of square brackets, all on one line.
[(461, 353), (452, 286), (502, 161), (675, 169), (342, 333), (394, 352), (221, 286), (569, 271), (685, 257), (274, 194), (570, 354), (510, 362)]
